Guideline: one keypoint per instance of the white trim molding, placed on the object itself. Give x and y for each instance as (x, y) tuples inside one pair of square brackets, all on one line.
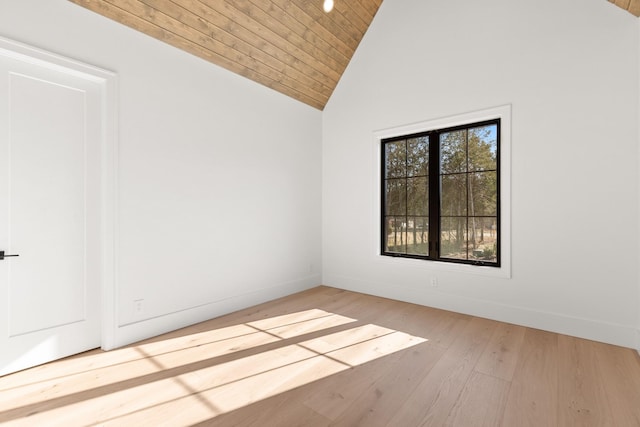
[(638, 195), (133, 332), (107, 81), (596, 330)]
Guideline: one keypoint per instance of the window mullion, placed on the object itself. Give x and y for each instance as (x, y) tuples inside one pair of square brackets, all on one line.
[(406, 196), (383, 198), (434, 195)]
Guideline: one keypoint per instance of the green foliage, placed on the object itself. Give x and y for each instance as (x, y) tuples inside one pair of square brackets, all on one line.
[(488, 252), (469, 190), (468, 170)]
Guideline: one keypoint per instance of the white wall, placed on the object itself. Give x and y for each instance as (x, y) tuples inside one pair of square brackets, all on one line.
[(219, 178), (638, 330), (569, 69)]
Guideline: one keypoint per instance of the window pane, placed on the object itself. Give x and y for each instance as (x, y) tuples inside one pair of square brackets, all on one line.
[(483, 145), (483, 193), (461, 197), (418, 156), (395, 159), (453, 201), (453, 151), (396, 234), (483, 239), (453, 235), (418, 235), (396, 197), (417, 201)]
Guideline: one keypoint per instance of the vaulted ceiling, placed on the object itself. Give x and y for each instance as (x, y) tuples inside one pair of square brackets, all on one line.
[(632, 6), (291, 46)]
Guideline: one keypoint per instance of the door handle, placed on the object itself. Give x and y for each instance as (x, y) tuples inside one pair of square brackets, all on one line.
[(3, 256)]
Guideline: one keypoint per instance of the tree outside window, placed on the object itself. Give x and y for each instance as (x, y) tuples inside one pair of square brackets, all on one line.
[(440, 192)]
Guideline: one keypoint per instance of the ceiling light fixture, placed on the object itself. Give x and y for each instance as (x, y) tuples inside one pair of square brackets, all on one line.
[(328, 5)]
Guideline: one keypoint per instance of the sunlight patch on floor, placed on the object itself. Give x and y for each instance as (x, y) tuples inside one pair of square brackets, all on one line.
[(196, 377)]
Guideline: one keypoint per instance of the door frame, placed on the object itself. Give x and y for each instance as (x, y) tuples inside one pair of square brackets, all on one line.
[(108, 82)]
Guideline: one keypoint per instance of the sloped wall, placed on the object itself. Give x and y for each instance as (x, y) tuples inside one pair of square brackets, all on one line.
[(218, 177), (569, 70)]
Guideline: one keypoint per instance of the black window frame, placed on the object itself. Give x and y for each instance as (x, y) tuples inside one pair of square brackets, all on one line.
[(434, 197)]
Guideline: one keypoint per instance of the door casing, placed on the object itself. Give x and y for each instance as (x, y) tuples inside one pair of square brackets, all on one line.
[(107, 81)]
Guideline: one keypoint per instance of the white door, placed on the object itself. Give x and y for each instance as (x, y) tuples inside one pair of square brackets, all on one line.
[(50, 195)]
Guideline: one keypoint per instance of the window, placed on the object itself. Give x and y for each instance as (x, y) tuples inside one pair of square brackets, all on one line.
[(441, 194)]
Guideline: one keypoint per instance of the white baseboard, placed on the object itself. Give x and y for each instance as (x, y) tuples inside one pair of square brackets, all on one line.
[(609, 333), (133, 332)]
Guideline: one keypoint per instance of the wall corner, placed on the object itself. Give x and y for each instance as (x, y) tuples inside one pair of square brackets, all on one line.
[(638, 202)]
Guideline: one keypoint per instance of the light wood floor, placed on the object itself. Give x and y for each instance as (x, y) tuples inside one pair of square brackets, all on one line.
[(327, 357)]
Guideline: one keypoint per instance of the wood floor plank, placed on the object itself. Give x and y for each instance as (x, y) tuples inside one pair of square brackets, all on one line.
[(501, 355), (435, 396), (481, 402), (533, 396), (360, 390), (277, 412), (329, 357), (380, 401), (333, 398), (447, 328), (621, 382), (582, 400), (438, 326)]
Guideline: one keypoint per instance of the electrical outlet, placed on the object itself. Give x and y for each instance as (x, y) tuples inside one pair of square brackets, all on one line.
[(138, 306), (434, 282)]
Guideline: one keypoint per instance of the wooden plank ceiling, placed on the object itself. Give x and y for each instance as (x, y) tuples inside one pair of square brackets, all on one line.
[(632, 6), (291, 46)]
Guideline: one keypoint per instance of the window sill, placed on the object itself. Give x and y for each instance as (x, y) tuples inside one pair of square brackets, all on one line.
[(503, 271)]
